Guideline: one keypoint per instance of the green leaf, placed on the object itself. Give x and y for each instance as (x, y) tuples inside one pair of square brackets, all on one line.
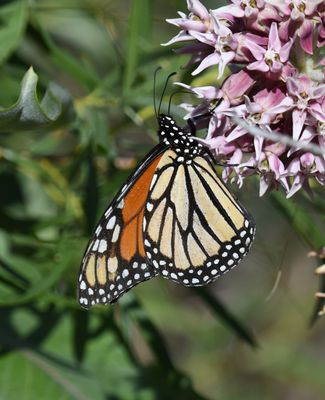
[(319, 303), (139, 31), (306, 227), (42, 379), (13, 18), (301, 221), (226, 316), (54, 110), (163, 376), (150, 333), (47, 275), (66, 62)]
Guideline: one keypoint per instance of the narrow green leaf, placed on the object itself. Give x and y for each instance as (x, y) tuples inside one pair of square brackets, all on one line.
[(47, 275), (13, 18), (134, 310), (91, 192), (319, 303), (29, 113), (305, 226), (227, 317), (163, 376), (69, 383), (65, 61), (80, 334), (301, 221), (139, 32)]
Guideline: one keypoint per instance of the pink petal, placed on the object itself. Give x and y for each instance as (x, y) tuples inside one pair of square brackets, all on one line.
[(319, 91), (235, 134), (219, 28), (225, 59), (307, 160), (308, 134), (320, 165), (281, 5), (212, 59), (252, 108), (231, 9), (312, 5), (238, 111), (237, 157), (197, 8), (257, 51), (274, 40), (258, 144), (275, 165), (296, 185), (293, 86), (207, 38), (317, 112), (298, 120), (180, 37), (265, 182), (276, 67), (236, 85), (285, 51), (285, 105), (258, 66), (306, 36), (188, 24), (294, 167)]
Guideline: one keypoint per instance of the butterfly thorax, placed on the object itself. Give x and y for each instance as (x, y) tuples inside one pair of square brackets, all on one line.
[(178, 139)]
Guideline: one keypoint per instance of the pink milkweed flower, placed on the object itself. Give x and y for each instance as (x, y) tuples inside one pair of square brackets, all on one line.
[(241, 8), (274, 53), (253, 15), (266, 109), (274, 57), (231, 93), (199, 20), (303, 167), (304, 93), (224, 43), (272, 172), (236, 85), (197, 8), (300, 18)]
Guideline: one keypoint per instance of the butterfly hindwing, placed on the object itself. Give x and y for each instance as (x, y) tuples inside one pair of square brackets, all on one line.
[(174, 217), (195, 229), (115, 259)]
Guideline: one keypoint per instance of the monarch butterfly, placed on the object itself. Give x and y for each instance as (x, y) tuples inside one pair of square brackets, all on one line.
[(174, 217)]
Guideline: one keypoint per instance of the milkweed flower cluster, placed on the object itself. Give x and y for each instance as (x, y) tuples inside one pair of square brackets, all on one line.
[(271, 53)]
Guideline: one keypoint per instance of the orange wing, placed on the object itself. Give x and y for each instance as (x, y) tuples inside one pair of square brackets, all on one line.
[(115, 259)]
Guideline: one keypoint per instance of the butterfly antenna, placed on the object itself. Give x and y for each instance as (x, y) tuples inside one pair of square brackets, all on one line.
[(164, 90), (154, 90), (173, 94)]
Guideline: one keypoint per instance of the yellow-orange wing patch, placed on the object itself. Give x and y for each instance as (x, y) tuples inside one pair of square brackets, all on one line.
[(115, 259)]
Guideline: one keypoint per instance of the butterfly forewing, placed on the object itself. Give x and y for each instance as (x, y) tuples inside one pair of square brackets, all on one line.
[(174, 217), (115, 259), (195, 229)]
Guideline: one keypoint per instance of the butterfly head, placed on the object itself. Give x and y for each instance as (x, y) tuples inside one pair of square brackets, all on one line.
[(178, 138), (168, 126)]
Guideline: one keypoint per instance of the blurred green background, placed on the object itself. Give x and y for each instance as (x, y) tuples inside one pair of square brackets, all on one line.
[(71, 132)]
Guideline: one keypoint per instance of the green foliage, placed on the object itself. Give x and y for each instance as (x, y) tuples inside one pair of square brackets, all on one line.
[(72, 126), (28, 113), (13, 19)]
